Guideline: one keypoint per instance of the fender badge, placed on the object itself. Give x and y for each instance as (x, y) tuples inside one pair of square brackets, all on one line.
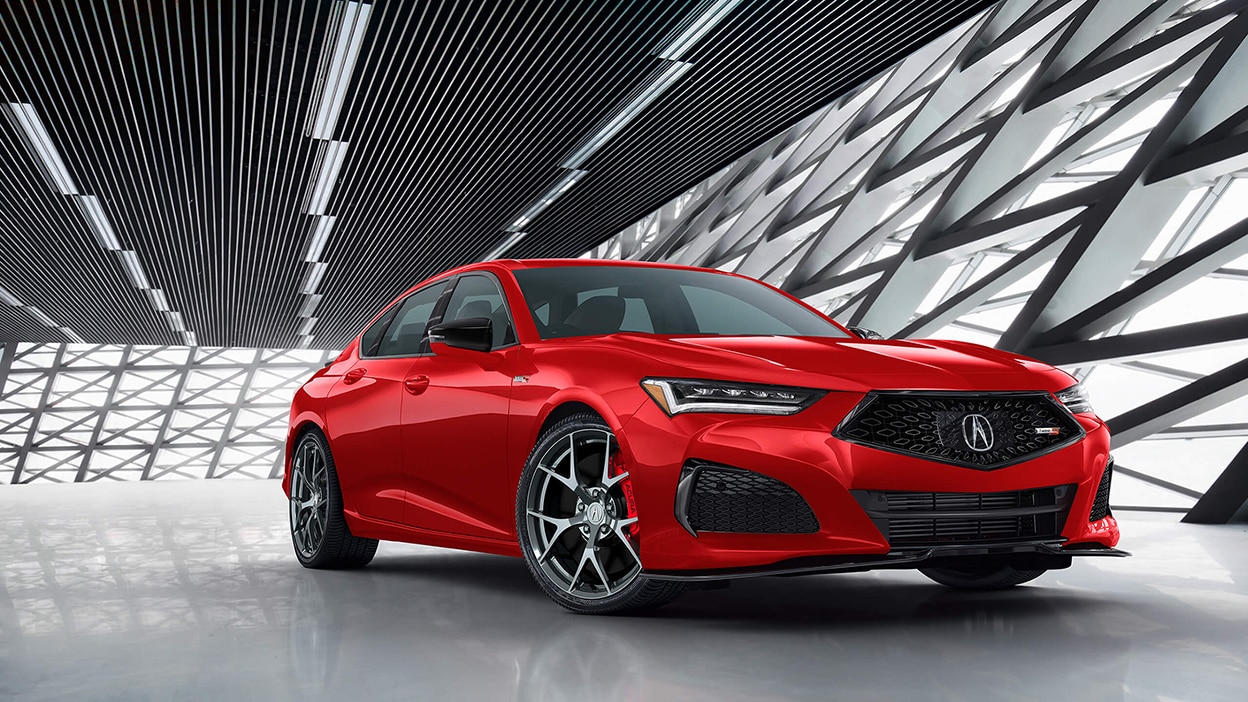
[(520, 379)]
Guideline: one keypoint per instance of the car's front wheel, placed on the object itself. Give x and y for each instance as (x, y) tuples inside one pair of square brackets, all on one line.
[(317, 526), (578, 525), (981, 576)]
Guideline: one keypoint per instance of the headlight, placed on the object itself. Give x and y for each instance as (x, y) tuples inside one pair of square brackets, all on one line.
[(677, 395), (1076, 399)]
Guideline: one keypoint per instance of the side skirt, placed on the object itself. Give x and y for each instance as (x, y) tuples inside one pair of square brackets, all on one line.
[(370, 528)]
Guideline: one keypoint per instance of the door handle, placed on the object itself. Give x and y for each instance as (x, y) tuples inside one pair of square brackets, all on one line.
[(416, 384), (354, 374)]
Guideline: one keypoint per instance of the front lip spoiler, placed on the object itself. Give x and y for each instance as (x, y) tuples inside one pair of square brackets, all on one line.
[(901, 558)]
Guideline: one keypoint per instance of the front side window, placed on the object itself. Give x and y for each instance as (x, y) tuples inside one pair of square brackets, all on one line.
[(568, 301), (480, 296), (405, 333)]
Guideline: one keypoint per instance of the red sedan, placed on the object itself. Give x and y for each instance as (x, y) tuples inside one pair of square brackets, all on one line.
[(635, 430)]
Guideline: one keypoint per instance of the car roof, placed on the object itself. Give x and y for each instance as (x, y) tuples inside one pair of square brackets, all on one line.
[(513, 263)]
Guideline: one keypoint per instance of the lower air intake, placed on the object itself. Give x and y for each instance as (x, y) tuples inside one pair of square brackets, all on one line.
[(724, 499), (935, 518), (1100, 506)]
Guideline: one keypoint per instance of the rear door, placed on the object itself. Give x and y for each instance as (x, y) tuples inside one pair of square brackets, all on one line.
[(364, 411)]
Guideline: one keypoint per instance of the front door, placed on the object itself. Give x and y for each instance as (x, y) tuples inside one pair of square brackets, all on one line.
[(455, 410)]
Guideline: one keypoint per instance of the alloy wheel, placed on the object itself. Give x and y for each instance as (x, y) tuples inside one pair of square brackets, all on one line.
[(581, 527), (309, 498)]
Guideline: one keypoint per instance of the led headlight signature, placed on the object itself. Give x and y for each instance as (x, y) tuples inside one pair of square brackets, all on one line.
[(1076, 399), (676, 395)]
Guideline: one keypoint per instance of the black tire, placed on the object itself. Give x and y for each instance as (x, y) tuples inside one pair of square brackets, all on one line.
[(640, 593), (334, 547), (985, 576)]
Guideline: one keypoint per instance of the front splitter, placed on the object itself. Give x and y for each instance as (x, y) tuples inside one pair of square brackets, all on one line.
[(899, 559)]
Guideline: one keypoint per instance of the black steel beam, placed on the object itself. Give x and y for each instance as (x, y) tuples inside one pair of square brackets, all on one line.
[(1227, 497)]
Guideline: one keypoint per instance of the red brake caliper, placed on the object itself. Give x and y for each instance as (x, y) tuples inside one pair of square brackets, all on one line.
[(618, 468)]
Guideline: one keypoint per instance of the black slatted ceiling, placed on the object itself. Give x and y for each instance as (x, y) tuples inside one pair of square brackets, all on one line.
[(190, 123)]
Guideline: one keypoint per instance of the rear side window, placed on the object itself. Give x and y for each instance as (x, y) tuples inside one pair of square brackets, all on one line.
[(372, 335), (405, 333)]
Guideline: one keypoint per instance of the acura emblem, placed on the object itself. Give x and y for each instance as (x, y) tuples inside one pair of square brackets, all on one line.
[(977, 432)]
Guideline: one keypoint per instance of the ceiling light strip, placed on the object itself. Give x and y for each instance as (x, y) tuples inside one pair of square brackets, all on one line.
[(334, 79), (337, 78), (511, 240), (320, 235), (26, 118), (656, 87), (40, 143), (706, 21), (658, 84)]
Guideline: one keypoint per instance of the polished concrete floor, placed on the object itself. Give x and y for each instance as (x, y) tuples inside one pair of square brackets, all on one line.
[(190, 591)]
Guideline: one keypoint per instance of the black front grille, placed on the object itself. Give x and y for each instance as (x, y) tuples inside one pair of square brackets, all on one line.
[(983, 431), (934, 518), (720, 498), (1100, 506)]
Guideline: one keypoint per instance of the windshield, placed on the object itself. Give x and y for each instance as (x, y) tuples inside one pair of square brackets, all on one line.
[(568, 301)]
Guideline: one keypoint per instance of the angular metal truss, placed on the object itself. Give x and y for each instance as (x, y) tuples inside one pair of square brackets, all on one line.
[(1067, 179), (80, 413)]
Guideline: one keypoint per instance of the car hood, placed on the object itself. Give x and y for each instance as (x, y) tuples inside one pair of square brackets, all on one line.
[(842, 364)]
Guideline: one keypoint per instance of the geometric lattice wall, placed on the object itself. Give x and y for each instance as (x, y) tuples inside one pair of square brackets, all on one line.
[(80, 412), (1064, 179)]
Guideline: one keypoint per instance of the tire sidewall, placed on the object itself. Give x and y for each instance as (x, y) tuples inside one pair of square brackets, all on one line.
[(332, 496), (559, 432)]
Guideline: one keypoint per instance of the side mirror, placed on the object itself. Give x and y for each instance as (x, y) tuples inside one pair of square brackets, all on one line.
[(473, 333), (866, 333)]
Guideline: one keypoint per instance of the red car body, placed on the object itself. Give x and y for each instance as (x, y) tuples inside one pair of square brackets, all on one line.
[(430, 449)]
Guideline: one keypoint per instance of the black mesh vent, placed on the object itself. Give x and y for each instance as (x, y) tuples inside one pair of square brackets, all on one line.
[(1100, 506), (982, 431), (741, 501), (933, 518)]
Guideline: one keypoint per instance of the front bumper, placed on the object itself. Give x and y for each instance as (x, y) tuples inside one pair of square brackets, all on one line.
[(801, 452)]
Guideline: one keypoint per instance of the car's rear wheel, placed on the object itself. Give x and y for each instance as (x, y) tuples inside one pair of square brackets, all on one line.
[(578, 525), (317, 527), (981, 576)]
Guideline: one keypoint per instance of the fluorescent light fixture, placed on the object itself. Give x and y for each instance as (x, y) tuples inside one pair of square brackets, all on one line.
[(320, 235), (565, 183), (9, 299), (158, 299), (130, 261), (72, 335), (655, 88), (308, 308), (176, 323), (42, 318), (304, 342), (305, 329), (189, 338), (331, 163), (704, 22), (511, 240), (94, 212), (337, 75), (40, 143), (312, 280)]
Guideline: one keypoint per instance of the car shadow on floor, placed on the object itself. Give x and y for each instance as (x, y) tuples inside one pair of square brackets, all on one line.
[(841, 601)]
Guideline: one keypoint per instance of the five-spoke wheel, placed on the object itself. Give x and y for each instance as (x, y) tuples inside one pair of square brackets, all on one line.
[(578, 523)]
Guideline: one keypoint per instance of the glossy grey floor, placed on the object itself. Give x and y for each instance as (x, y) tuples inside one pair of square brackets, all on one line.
[(191, 591)]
